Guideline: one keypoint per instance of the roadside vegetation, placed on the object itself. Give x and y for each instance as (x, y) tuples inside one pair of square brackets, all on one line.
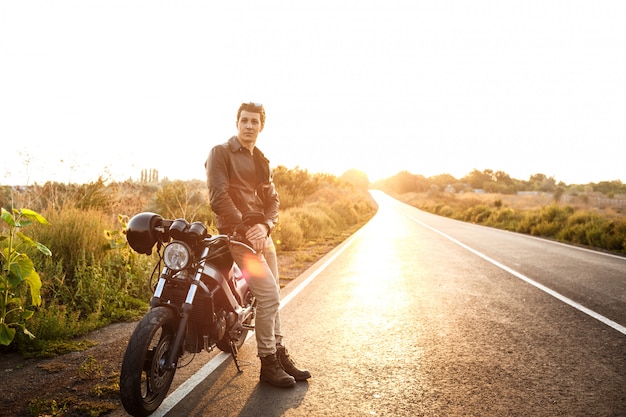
[(590, 215), (90, 277)]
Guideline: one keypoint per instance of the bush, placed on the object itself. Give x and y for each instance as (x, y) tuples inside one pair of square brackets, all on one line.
[(563, 223), (478, 214), (179, 199), (615, 235), (72, 234), (590, 229), (296, 185), (545, 229), (89, 281), (55, 322), (445, 210), (289, 235), (504, 218), (313, 220)]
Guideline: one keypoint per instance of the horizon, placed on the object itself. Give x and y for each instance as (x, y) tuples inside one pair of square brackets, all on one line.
[(459, 178)]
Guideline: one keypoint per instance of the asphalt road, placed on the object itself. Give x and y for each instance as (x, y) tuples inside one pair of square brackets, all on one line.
[(418, 315)]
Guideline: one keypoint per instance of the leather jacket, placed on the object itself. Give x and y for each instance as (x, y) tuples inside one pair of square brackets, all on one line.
[(238, 183)]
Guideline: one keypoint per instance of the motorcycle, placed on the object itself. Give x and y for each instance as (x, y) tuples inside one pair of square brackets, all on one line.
[(201, 301)]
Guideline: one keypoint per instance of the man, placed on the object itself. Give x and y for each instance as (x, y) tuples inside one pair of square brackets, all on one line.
[(240, 181)]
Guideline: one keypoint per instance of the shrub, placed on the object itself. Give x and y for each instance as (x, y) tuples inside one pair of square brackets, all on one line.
[(555, 213), (545, 228), (478, 214), (615, 235), (505, 218), (94, 280), (289, 235), (564, 223), (313, 220), (180, 199), (588, 228), (296, 185), (72, 234), (53, 322), (445, 210)]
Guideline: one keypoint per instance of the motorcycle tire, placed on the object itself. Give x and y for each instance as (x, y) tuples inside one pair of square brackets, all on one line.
[(144, 381)]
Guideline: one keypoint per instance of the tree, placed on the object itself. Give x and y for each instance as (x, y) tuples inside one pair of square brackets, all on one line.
[(477, 179), (443, 180), (503, 178)]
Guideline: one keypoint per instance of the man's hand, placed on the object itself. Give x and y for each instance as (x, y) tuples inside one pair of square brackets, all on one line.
[(257, 235)]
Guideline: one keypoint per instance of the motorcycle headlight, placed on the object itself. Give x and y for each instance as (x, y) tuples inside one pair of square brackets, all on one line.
[(176, 256)]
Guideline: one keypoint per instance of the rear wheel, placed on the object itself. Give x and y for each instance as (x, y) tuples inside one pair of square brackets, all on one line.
[(145, 379)]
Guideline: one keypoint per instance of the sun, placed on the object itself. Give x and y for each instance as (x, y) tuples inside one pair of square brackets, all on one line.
[(380, 170)]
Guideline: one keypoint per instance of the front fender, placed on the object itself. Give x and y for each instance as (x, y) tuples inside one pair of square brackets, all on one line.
[(156, 302)]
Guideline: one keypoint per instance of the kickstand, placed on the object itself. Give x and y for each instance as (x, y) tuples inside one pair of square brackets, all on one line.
[(234, 351)]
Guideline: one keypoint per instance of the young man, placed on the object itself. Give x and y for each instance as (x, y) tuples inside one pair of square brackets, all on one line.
[(240, 181)]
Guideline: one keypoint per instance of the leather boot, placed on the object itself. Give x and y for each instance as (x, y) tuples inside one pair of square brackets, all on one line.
[(274, 374), (289, 365)]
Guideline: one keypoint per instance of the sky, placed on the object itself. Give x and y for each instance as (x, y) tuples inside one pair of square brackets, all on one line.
[(93, 89)]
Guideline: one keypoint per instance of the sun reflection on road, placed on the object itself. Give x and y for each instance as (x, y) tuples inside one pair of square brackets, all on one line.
[(376, 276)]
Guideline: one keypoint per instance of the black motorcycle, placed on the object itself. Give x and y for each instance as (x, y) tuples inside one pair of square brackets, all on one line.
[(201, 301)]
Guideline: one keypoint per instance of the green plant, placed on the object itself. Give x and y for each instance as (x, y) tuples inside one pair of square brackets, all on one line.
[(47, 407), (90, 368), (17, 269), (73, 235)]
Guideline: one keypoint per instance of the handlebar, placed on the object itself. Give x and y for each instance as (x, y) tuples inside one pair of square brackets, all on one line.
[(236, 242), (197, 233), (231, 239)]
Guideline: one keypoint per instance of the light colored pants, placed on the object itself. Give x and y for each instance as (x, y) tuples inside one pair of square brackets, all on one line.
[(261, 271)]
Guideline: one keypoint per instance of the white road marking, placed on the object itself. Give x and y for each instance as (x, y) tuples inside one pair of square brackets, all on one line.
[(190, 384), (524, 278)]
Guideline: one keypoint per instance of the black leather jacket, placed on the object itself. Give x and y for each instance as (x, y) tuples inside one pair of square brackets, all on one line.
[(239, 182)]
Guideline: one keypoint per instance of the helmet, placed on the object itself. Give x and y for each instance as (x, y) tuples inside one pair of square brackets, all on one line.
[(140, 232)]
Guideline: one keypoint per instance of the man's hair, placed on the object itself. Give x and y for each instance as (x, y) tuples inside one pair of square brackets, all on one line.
[(253, 108)]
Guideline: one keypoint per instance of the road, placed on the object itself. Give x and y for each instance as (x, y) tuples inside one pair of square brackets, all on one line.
[(419, 315)]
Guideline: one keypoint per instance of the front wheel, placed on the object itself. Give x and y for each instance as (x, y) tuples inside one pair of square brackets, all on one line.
[(145, 379)]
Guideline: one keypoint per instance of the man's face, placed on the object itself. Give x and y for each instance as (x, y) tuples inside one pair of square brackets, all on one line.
[(248, 127)]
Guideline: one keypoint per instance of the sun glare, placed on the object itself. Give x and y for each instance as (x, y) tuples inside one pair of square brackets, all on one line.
[(377, 263)]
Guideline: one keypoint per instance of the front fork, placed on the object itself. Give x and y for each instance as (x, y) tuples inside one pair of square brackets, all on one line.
[(176, 350)]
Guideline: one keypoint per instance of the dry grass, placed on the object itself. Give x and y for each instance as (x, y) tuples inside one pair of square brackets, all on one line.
[(588, 220), (615, 207)]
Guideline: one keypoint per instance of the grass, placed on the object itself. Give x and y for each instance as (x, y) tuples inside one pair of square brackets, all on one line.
[(580, 221)]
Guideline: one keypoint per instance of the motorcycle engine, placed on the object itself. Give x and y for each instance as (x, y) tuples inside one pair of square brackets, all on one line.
[(218, 330)]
